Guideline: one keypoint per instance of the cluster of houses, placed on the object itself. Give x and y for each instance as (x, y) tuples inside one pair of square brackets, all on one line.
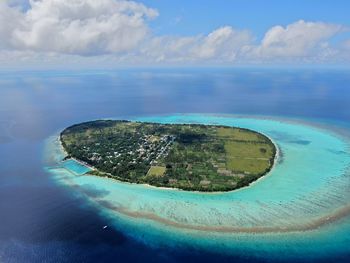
[(149, 148), (164, 149)]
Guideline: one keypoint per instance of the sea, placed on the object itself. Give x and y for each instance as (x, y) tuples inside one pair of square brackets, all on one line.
[(50, 215)]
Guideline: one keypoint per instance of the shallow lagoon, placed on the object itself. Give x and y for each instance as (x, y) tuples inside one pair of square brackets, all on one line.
[(45, 220), (295, 210)]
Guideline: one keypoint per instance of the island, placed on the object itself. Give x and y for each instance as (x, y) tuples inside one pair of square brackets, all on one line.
[(192, 157)]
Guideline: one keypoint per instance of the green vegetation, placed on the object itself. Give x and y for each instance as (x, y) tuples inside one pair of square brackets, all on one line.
[(156, 171), (185, 156)]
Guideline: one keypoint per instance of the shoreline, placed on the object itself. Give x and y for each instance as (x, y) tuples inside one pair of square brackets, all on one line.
[(275, 162), (310, 225), (72, 158)]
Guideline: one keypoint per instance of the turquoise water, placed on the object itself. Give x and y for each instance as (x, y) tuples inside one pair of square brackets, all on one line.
[(75, 167), (300, 209)]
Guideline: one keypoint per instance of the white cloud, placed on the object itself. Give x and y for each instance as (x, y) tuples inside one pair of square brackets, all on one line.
[(223, 43), (8, 22), (117, 31), (299, 39), (86, 27)]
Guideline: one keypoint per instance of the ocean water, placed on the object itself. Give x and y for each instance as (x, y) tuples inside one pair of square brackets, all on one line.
[(51, 212)]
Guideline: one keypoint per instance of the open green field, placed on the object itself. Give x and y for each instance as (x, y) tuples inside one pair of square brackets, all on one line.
[(190, 157), (156, 171)]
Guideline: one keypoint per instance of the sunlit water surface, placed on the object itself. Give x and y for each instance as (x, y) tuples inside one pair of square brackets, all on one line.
[(52, 212)]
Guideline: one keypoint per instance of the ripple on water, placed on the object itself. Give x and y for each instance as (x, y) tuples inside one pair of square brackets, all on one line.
[(297, 206)]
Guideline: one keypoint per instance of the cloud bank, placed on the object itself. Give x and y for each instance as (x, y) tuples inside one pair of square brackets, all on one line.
[(80, 27), (298, 40), (118, 31), (222, 44)]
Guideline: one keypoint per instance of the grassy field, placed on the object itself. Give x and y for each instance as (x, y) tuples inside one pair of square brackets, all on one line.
[(239, 134), (246, 152), (156, 171)]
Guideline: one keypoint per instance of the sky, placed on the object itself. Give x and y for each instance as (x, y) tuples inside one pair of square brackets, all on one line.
[(108, 33)]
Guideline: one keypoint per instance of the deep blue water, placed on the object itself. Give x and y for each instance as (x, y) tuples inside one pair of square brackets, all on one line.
[(44, 222)]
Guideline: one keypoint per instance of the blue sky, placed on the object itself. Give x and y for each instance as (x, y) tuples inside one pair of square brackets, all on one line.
[(203, 16), (161, 32)]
